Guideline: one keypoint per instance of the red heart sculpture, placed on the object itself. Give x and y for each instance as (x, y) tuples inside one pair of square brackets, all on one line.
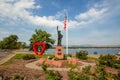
[(39, 44)]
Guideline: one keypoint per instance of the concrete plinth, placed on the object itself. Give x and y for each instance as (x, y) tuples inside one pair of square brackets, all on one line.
[(59, 63), (59, 53)]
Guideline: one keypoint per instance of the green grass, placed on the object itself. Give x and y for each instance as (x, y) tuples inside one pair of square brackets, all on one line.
[(92, 58), (20, 56), (17, 56)]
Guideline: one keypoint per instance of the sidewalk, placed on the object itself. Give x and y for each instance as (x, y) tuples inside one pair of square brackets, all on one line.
[(6, 58)]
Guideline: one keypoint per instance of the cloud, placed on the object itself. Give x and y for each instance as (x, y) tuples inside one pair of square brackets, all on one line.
[(90, 16), (15, 12), (18, 11)]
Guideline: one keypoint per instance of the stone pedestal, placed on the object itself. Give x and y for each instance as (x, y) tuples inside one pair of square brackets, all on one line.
[(59, 53)]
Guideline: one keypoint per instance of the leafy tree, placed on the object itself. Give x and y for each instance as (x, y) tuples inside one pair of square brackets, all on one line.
[(41, 36), (109, 60), (9, 42), (82, 54), (21, 44)]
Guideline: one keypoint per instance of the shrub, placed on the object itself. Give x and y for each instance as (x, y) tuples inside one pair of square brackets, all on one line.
[(77, 76), (87, 69), (52, 75), (82, 54), (17, 77), (29, 56), (69, 55), (44, 67), (51, 57), (109, 60), (73, 75), (37, 76), (108, 57)]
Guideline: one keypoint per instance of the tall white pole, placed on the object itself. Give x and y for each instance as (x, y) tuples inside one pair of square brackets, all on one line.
[(67, 34)]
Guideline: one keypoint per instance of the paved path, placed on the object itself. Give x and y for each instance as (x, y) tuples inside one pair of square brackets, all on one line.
[(6, 58), (33, 65), (6, 55)]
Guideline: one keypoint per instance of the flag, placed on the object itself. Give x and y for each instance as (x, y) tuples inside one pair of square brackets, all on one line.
[(65, 21)]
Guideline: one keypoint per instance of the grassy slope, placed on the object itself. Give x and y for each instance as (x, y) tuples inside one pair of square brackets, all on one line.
[(20, 56)]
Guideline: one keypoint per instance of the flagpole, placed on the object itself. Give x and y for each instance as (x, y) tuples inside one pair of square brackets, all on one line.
[(67, 34)]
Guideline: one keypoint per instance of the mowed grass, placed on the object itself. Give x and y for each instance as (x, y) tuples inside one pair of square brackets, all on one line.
[(20, 56), (92, 58)]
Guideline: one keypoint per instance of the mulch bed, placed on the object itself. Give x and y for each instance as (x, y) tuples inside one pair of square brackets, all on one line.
[(17, 67), (89, 61)]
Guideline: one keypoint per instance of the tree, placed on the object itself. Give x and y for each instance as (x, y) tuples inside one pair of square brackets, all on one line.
[(9, 42), (41, 36), (21, 45), (82, 54)]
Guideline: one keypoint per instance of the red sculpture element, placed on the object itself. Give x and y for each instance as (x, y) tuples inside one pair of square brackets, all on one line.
[(39, 44)]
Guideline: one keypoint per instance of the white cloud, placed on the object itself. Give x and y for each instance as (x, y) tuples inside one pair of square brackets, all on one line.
[(91, 15), (13, 12), (18, 10)]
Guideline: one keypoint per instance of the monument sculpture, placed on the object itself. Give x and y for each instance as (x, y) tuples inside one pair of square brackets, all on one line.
[(59, 37), (58, 61), (59, 54)]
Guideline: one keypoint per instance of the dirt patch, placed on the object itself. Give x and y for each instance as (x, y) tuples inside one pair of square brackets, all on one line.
[(17, 67), (89, 61)]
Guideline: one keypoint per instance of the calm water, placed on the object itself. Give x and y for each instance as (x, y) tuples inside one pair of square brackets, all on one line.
[(99, 51)]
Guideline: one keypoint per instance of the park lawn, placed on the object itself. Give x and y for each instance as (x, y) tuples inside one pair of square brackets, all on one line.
[(92, 58), (21, 55)]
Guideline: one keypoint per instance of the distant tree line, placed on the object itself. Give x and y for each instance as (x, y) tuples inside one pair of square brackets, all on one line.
[(11, 42)]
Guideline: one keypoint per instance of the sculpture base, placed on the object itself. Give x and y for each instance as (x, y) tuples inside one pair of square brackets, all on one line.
[(59, 53), (59, 63)]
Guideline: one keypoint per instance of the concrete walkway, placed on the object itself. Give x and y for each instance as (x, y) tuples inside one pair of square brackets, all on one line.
[(3, 60), (33, 65)]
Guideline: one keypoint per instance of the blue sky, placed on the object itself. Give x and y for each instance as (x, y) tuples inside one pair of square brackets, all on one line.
[(90, 22)]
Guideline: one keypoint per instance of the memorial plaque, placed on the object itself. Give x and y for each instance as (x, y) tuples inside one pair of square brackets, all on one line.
[(59, 52)]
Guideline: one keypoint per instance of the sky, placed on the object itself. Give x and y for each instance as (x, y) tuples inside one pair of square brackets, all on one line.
[(89, 22)]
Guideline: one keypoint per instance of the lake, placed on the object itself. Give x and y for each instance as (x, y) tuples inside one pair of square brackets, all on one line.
[(90, 50)]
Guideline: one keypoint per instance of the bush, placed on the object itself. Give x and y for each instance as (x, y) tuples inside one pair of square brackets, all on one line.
[(29, 56), (109, 60), (51, 57), (53, 75), (108, 57), (87, 69), (44, 67), (69, 55), (77, 76), (17, 77), (82, 54)]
